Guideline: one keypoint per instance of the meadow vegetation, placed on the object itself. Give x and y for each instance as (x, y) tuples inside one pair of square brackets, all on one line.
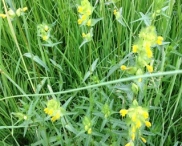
[(90, 72)]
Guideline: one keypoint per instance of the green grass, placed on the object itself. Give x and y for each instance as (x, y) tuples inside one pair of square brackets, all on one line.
[(34, 71)]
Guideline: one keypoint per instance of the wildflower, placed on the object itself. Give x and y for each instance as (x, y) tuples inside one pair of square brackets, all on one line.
[(149, 68), (138, 124), (87, 36), (115, 12), (54, 110), (135, 48), (3, 15), (133, 136), (145, 115), (89, 22), (24, 9), (46, 28), (123, 67), (80, 21), (89, 131), (25, 117), (143, 139), (129, 144), (133, 118), (159, 40), (87, 125), (123, 112), (149, 53), (85, 10), (137, 118), (80, 9), (56, 116), (45, 37), (11, 13), (148, 124)]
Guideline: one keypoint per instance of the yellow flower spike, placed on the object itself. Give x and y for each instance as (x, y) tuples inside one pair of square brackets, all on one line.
[(123, 67), (159, 40), (149, 68), (3, 16), (143, 139), (148, 124), (123, 112), (89, 131), (135, 48)]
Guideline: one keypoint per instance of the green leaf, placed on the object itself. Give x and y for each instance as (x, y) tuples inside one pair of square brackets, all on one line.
[(37, 60)]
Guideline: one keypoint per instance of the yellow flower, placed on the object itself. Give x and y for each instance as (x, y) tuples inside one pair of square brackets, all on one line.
[(56, 117), (135, 49), (138, 124), (80, 21), (89, 131), (123, 67), (149, 53), (115, 12), (128, 144), (145, 115), (3, 15), (123, 112), (133, 118), (133, 136), (46, 28), (133, 129), (149, 68), (84, 17), (11, 13), (84, 35), (46, 110), (148, 124), (18, 12), (80, 9), (89, 12), (159, 40), (147, 46), (24, 9), (45, 37), (89, 22), (143, 139)]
